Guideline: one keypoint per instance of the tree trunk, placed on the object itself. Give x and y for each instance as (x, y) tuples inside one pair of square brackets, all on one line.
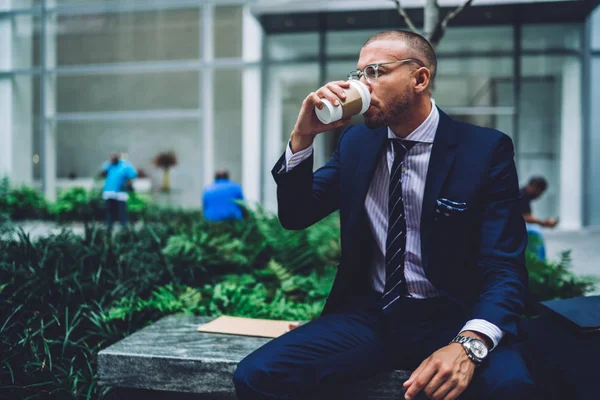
[(431, 16)]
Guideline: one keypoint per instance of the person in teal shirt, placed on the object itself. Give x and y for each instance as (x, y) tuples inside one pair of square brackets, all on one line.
[(219, 199), (118, 175)]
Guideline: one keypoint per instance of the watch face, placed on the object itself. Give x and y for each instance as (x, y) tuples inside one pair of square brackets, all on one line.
[(479, 349)]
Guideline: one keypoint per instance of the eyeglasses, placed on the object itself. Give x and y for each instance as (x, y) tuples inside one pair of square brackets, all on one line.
[(371, 71)]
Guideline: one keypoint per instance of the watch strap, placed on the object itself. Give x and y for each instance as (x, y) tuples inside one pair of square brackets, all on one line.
[(463, 340)]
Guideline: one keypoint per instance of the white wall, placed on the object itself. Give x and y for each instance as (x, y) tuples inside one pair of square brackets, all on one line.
[(571, 156), (252, 108)]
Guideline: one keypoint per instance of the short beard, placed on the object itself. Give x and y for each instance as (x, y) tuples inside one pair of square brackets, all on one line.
[(397, 112)]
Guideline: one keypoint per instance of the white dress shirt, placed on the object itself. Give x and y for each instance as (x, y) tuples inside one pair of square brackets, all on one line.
[(416, 164)]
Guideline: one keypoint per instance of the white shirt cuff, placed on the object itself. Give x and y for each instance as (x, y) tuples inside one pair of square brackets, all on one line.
[(293, 159), (485, 328)]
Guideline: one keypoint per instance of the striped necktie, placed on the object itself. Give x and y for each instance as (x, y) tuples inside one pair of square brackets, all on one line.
[(395, 282)]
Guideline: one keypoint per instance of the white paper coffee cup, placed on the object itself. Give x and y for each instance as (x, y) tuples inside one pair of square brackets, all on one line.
[(358, 100)]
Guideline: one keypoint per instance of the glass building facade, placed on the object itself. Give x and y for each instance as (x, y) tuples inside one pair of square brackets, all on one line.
[(220, 83)]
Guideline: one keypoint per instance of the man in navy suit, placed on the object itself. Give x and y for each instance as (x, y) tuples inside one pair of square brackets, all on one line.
[(432, 274)]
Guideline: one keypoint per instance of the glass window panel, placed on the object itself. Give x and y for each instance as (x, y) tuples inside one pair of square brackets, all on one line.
[(83, 146), (548, 85), (474, 39), (228, 32), (20, 122), (551, 36), (595, 20), (347, 43), (477, 90), (160, 35), (128, 92), (228, 121), (23, 32), (66, 3), (287, 87), (549, 167), (593, 148), (21, 5), (472, 82), (292, 46), (461, 39)]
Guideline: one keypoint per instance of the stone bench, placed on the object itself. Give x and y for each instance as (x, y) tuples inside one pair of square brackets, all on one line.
[(171, 360)]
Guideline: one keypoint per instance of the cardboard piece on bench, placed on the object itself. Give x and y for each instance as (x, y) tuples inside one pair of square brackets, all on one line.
[(582, 312), (248, 326)]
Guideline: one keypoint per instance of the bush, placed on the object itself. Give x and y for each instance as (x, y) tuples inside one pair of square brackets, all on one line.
[(64, 297), (73, 204), (553, 280), (77, 204), (22, 202)]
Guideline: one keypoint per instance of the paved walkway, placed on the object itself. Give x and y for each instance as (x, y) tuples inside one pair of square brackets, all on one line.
[(584, 244)]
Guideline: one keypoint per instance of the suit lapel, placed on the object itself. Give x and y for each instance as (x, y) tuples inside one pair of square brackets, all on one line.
[(440, 163)]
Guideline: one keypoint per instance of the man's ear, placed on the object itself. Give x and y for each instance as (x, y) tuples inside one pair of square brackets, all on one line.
[(422, 80)]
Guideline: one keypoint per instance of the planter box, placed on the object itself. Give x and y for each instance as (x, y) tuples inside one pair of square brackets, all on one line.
[(171, 360)]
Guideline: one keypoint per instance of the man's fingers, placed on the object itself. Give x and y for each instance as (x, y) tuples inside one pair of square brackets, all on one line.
[(442, 390), (453, 394), (337, 90), (344, 84), (420, 381), (312, 100), (439, 379), (415, 373), (329, 95)]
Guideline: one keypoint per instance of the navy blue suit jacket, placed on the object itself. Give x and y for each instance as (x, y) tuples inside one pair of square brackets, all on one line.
[(476, 256)]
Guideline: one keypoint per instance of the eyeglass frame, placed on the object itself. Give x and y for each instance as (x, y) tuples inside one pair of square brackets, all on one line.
[(361, 73)]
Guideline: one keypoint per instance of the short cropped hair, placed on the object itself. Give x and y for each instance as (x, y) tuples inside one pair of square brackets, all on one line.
[(222, 174), (539, 182), (422, 49)]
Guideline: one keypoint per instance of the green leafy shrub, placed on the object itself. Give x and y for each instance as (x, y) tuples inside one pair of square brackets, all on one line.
[(64, 297), (137, 204), (78, 204), (554, 280), (73, 204), (22, 202)]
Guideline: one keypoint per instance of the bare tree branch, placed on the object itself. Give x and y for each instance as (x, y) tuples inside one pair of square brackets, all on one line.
[(404, 15), (440, 28)]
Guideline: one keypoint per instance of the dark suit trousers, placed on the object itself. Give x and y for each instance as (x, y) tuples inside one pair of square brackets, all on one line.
[(359, 341)]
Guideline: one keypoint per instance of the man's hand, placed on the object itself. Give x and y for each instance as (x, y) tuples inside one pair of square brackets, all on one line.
[(308, 125), (550, 223), (444, 375)]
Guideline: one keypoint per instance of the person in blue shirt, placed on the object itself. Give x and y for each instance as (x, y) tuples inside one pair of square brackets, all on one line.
[(534, 189), (219, 199), (117, 185)]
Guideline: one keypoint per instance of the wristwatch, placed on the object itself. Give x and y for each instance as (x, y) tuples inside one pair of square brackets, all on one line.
[(475, 348)]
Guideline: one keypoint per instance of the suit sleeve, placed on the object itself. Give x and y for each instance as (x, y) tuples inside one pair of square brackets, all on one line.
[(503, 241), (304, 197)]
